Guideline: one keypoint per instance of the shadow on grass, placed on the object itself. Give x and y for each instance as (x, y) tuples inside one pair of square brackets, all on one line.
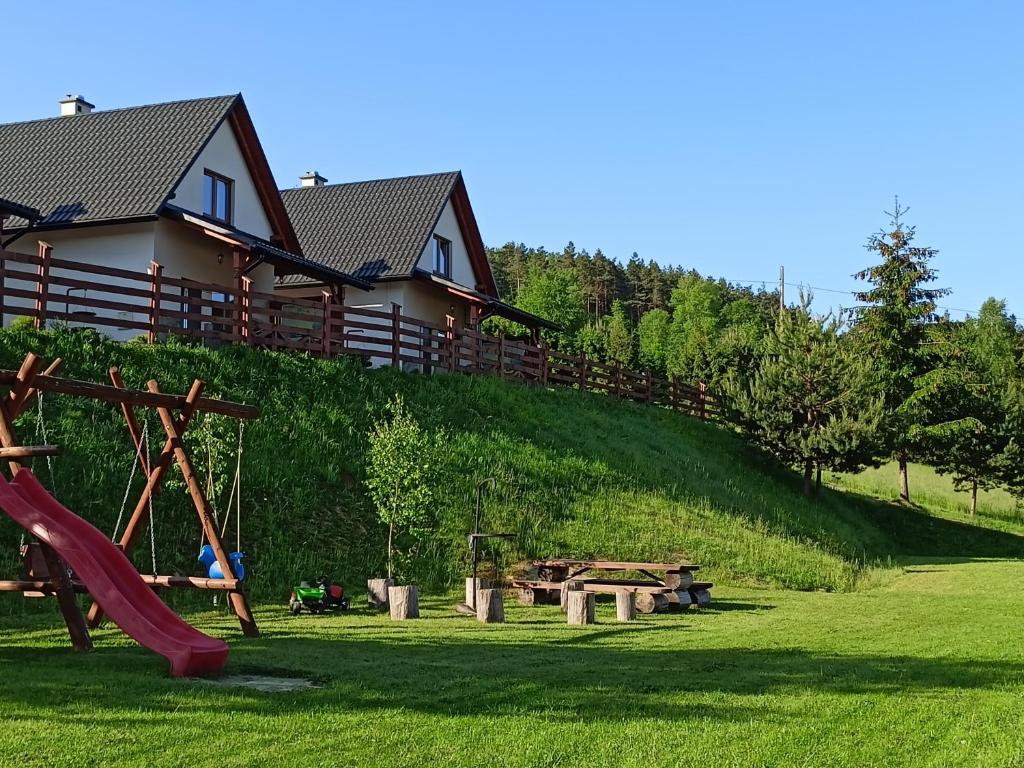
[(571, 681)]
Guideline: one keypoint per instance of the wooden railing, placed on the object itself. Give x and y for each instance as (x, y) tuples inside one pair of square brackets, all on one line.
[(127, 304)]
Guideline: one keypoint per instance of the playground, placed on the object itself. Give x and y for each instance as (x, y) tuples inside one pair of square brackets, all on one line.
[(761, 677)]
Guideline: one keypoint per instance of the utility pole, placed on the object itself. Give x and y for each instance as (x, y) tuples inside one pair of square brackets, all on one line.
[(782, 287)]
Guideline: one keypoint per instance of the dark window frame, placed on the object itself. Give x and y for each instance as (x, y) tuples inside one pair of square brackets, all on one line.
[(229, 186), (443, 246)]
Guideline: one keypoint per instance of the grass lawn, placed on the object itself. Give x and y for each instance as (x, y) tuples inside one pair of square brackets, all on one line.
[(927, 670)]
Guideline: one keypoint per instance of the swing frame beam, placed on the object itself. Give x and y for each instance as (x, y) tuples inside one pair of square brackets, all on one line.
[(175, 414)]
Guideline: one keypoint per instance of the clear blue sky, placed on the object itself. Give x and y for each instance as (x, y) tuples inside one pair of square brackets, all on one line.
[(728, 137)]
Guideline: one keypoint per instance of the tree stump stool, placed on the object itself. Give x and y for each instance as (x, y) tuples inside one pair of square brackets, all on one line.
[(473, 586), (490, 606), (649, 602), (377, 593), (566, 588), (625, 606), (404, 603), (580, 607)]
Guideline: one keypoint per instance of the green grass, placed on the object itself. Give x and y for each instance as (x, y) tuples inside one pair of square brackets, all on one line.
[(936, 493), (578, 475), (925, 671)]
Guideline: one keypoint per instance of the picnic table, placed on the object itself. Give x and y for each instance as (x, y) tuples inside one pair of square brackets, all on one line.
[(674, 587)]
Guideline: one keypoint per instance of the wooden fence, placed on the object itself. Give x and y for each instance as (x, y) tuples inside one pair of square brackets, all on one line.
[(126, 303)]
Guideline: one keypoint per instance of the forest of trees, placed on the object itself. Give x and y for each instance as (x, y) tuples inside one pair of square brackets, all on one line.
[(891, 379)]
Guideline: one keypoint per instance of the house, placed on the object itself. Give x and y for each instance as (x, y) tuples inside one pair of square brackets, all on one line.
[(415, 238), (183, 184)]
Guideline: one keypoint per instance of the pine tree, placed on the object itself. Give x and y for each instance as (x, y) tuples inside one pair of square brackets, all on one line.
[(891, 328), (619, 346), (967, 400), (807, 400)]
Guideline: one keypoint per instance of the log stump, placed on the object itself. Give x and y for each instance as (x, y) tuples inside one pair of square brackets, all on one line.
[(683, 600), (473, 587), (580, 607), (567, 587), (377, 593), (404, 602), (677, 580), (625, 606), (490, 606), (528, 597), (651, 602), (701, 597)]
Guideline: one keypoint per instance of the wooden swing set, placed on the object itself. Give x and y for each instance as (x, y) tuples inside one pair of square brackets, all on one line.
[(43, 573)]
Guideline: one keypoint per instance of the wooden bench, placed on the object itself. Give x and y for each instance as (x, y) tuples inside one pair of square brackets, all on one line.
[(676, 588)]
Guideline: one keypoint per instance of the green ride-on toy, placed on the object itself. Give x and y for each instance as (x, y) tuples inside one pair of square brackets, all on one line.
[(318, 598)]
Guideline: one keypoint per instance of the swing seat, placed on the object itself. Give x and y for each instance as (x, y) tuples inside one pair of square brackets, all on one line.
[(213, 569)]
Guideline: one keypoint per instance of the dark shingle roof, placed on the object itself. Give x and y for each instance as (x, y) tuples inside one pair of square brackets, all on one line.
[(371, 229), (112, 164)]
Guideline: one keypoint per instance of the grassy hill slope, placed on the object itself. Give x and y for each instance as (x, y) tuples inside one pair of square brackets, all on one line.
[(578, 475)]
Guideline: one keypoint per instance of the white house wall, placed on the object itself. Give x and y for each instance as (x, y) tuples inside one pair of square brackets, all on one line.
[(448, 228), (122, 246), (222, 155)]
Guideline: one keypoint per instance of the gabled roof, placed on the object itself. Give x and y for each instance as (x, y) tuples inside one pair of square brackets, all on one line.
[(123, 164), (377, 230)]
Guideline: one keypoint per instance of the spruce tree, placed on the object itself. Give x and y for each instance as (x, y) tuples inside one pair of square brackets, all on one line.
[(807, 400), (891, 326)]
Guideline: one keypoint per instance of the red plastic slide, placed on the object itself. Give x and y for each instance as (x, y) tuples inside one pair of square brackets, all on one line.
[(111, 579)]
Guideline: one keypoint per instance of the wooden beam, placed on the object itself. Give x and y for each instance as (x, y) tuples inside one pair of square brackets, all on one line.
[(28, 451), (77, 629), (111, 394), (22, 386)]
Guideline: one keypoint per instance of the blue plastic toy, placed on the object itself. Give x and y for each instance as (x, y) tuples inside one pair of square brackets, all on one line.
[(213, 569)]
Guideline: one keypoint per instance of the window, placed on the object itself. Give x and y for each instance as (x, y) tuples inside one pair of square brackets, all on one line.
[(217, 196), (442, 256)]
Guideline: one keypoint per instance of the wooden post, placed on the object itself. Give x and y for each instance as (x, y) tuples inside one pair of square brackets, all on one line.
[(473, 587), (396, 335), (377, 593), (42, 283), (582, 372), (341, 327), (327, 299), (543, 348), (674, 392), (490, 606), (650, 385), (3, 282), (625, 606), (238, 599), (449, 340), (580, 608), (702, 394), (618, 379), (66, 600), (156, 272), (501, 354), (246, 310), (565, 589), (404, 603)]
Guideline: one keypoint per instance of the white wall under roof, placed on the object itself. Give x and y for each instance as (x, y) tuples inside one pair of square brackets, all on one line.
[(223, 155), (448, 228)]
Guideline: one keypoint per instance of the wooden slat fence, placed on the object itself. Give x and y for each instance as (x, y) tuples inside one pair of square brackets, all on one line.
[(124, 303)]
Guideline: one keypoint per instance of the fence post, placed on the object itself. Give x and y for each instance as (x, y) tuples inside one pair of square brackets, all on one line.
[(650, 386), (702, 389), (674, 392), (3, 284), (543, 347), (501, 354), (582, 371), (42, 283), (156, 272), (327, 299), (396, 335), (247, 337), (618, 379), (449, 340), (341, 325)]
